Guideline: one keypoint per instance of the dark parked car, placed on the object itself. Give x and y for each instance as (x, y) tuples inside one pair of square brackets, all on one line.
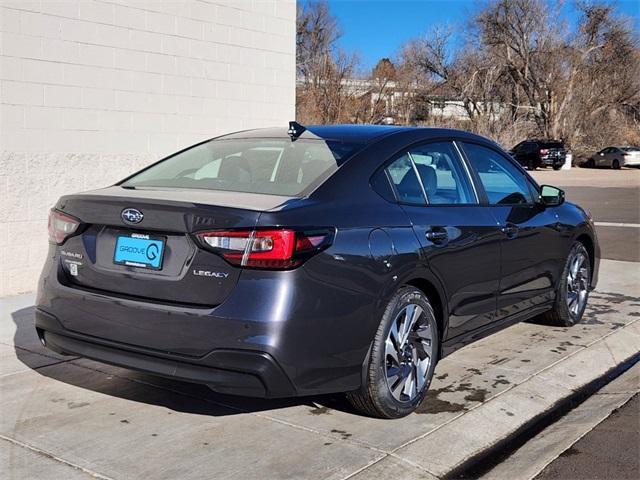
[(532, 154), (329, 259)]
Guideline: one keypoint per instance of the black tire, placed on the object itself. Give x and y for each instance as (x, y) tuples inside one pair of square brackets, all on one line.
[(557, 166), (531, 165), (374, 398), (590, 163), (615, 164), (561, 315)]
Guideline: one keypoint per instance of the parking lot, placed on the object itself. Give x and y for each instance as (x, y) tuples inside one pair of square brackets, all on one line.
[(612, 197), (68, 418)]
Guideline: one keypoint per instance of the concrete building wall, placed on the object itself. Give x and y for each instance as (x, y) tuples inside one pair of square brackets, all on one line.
[(92, 90)]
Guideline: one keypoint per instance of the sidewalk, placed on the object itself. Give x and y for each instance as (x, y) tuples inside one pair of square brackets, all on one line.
[(74, 418)]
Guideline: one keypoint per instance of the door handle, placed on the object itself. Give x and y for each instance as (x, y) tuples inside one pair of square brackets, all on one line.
[(510, 230), (437, 235)]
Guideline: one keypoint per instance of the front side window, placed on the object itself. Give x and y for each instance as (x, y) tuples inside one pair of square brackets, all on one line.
[(503, 182), (253, 165), (443, 177)]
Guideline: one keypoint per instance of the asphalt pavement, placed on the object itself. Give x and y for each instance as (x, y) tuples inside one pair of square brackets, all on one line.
[(611, 451), (612, 197)]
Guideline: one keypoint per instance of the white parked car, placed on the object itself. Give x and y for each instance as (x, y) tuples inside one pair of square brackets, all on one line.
[(615, 157)]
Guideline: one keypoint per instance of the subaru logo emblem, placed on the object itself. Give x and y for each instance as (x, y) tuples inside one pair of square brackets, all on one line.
[(131, 215)]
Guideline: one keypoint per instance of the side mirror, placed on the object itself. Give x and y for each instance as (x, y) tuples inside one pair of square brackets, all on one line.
[(551, 196)]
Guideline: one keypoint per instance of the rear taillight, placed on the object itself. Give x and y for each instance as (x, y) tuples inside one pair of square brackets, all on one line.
[(275, 249), (544, 151), (61, 226)]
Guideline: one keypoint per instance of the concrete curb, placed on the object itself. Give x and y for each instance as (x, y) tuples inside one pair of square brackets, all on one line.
[(530, 459), (475, 466), (485, 431)]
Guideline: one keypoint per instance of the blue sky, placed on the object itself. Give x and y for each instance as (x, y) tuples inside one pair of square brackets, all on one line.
[(376, 28)]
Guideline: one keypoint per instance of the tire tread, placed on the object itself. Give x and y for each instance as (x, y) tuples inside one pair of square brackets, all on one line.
[(559, 315), (364, 399)]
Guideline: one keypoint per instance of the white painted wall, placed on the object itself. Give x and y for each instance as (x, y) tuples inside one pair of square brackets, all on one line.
[(91, 90)]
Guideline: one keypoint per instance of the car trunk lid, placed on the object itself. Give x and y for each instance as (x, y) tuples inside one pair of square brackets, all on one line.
[(180, 272)]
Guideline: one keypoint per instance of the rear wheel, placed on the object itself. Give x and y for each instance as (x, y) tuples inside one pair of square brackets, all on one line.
[(557, 166), (531, 165), (402, 360), (615, 164), (591, 163), (573, 291)]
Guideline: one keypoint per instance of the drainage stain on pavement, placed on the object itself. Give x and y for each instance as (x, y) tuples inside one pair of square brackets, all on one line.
[(478, 395), (500, 381), (432, 404), (499, 361), (320, 411), (342, 433), (615, 298)]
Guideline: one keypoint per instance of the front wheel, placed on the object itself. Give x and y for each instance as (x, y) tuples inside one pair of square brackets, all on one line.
[(402, 359), (557, 166), (573, 292)]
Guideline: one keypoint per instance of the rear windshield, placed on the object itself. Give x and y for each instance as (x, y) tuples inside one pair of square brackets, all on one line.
[(269, 166)]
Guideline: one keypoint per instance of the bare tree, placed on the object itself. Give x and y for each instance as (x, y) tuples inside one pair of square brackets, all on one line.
[(603, 83), (323, 70), (521, 73)]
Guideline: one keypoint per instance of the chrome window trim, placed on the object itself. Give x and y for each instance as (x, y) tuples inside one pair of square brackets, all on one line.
[(466, 170), (415, 170)]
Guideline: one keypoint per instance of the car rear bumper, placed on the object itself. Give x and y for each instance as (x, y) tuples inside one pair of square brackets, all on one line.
[(550, 161), (278, 334), (238, 372)]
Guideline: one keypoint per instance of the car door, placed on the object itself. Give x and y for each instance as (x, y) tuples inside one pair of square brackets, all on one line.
[(604, 158), (525, 153), (531, 239), (616, 154), (458, 236)]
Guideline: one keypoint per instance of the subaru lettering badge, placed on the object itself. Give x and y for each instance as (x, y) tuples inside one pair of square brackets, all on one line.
[(131, 215)]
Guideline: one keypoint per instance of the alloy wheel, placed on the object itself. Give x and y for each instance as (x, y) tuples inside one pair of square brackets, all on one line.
[(577, 283), (409, 353)]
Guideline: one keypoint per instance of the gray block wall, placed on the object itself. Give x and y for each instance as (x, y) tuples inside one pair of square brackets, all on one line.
[(91, 90)]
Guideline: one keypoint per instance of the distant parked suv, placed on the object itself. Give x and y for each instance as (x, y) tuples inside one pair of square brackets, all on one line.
[(534, 153)]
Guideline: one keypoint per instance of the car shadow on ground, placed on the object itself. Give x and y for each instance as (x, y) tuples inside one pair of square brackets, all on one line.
[(143, 388)]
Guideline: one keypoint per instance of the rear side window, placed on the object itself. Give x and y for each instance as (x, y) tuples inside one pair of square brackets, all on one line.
[(269, 166), (503, 182), (444, 180), (406, 183)]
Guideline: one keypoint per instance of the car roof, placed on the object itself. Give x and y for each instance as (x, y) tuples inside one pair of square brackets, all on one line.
[(353, 133)]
